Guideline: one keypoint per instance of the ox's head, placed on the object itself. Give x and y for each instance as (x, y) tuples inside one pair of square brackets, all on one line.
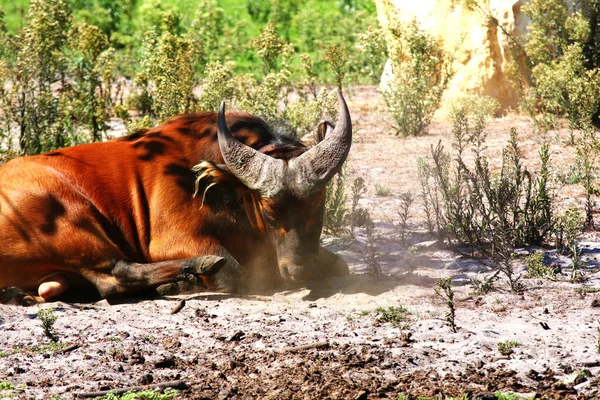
[(292, 193)]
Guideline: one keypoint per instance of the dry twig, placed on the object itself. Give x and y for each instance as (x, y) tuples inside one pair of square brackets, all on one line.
[(178, 307), (171, 384), (293, 349)]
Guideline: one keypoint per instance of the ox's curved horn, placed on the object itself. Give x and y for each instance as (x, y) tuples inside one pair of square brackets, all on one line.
[(313, 169), (256, 170)]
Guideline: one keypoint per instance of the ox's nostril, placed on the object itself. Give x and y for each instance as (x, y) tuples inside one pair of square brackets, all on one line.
[(293, 272)]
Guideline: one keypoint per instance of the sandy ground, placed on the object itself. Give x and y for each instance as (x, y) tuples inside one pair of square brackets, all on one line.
[(224, 347)]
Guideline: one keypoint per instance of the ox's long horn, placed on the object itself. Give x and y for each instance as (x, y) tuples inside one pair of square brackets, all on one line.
[(256, 170), (313, 169)]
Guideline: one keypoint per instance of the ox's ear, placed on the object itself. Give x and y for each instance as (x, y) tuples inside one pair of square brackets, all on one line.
[(209, 174), (323, 130)]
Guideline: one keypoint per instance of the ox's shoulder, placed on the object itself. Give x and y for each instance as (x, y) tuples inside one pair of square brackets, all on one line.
[(138, 133), (206, 119)]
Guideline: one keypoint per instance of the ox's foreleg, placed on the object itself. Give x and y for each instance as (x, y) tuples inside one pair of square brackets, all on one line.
[(18, 296), (129, 277), (230, 278)]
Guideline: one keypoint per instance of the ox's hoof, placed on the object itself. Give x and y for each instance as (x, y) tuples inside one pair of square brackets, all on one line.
[(15, 295), (340, 268), (203, 266), (329, 265), (53, 286)]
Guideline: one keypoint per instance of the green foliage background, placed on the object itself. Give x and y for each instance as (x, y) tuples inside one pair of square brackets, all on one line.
[(311, 26), (66, 66), (255, 52), (563, 54)]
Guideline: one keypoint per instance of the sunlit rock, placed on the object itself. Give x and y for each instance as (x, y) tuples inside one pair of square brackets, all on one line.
[(484, 63)]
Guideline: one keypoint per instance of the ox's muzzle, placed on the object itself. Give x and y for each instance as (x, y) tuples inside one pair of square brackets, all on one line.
[(294, 272)]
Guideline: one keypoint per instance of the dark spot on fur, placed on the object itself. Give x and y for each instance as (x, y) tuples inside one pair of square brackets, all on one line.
[(184, 176), (53, 210)]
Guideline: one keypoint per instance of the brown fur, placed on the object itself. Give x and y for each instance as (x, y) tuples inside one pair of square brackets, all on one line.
[(82, 210)]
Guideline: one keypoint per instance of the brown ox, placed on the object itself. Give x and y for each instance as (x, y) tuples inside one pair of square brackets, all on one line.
[(229, 202)]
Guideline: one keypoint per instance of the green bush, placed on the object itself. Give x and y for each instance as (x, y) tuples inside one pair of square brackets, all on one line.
[(421, 72), (262, 95), (464, 201), (568, 228), (5, 385), (565, 87), (372, 248), (373, 55), (148, 394), (322, 24), (338, 61), (271, 48), (94, 75), (205, 30), (477, 107), (150, 15), (6, 93), (536, 267), (47, 319), (474, 204), (398, 316), (113, 17), (507, 347), (335, 205), (443, 289), (262, 98), (563, 50), (217, 86), (406, 201), (305, 113), (40, 64), (430, 196), (547, 38), (586, 158), (267, 95), (359, 216), (167, 77), (222, 31), (55, 92)]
